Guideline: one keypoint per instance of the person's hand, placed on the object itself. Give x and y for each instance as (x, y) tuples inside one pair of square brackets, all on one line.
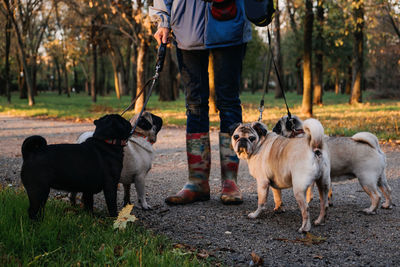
[(162, 35)]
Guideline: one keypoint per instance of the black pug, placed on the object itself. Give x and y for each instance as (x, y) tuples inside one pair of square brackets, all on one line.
[(90, 167)]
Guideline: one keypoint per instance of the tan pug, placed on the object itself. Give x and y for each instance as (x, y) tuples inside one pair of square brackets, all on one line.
[(358, 156), (138, 156), (281, 163)]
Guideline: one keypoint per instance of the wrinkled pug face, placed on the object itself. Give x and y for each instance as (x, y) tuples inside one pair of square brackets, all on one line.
[(246, 137), (149, 125)]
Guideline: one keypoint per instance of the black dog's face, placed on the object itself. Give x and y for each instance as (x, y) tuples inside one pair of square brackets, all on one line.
[(149, 125), (112, 126)]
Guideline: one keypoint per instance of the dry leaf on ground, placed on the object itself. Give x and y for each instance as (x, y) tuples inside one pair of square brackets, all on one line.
[(256, 260), (124, 217)]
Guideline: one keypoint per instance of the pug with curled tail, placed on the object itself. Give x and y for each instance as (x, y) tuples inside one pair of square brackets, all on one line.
[(281, 163), (357, 156)]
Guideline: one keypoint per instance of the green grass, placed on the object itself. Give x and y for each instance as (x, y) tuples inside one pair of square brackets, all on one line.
[(337, 116), (68, 236)]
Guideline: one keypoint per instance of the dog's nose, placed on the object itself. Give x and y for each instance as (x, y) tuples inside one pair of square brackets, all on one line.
[(242, 142)]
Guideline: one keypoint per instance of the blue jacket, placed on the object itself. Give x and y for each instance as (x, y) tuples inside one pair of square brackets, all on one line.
[(194, 27)]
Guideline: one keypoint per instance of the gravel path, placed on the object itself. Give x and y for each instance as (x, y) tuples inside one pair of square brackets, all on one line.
[(351, 238)]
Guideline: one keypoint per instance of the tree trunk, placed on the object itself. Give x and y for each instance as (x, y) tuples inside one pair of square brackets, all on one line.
[(76, 85), (211, 100), (127, 71), (7, 59), (52, 78), (33, 67), (277, 52), (67, 86), (116, 85), (27, 74), (140, 74), (93, 85), (347, 90), (59, 89), (358, 49), (337, 85), (307, 68), (299, 77), (319, 46), (102, 76)]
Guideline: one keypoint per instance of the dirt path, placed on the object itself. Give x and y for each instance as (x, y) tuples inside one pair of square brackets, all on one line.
[(352, 238)]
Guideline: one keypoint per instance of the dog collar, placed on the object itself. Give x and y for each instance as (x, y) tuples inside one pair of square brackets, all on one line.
[(296, 132), (116, 142), (143, 136)]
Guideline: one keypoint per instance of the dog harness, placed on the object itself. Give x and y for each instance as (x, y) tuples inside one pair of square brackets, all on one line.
[(296, 132)]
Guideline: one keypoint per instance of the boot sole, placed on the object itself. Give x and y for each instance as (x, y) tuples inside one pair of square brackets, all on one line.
[(199, 199), (235, 201)]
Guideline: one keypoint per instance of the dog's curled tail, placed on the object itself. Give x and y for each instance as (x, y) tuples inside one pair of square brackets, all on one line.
[(315, 132), (31, 145), (369, 139), (83, 137)]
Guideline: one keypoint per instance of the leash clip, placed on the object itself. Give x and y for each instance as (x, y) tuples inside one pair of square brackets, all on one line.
[(261, 109)]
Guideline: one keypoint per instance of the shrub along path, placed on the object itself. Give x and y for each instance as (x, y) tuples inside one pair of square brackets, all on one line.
[(348, 238)]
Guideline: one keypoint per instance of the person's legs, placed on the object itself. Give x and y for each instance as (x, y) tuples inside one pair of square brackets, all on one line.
[(227, 73), (193, 66)]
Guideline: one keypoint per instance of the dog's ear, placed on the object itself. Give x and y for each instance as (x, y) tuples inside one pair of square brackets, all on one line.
[(144, 124), (260, 129), (96, 122), (157, 121), (277, 128), (233, 127)]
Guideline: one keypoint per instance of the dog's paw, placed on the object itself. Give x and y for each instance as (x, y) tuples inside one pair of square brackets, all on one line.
[(253, 215), (279, 210), (146, 206), (369, 212), (304, 229), (319, 222), (386, 206)]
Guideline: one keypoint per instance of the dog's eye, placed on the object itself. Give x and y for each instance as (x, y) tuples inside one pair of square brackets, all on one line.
[(236, 137), (252, 138)]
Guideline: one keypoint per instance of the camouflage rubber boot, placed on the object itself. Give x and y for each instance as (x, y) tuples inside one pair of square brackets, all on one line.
[(230, 193), (199, 160)]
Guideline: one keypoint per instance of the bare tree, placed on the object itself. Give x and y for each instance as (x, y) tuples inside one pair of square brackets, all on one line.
[(7, 35), (307, 67), (211, 100), (10, 7), (358, 50), (319, 53)]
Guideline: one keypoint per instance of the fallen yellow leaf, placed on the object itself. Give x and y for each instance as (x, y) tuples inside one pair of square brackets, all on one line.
[(124, 217)]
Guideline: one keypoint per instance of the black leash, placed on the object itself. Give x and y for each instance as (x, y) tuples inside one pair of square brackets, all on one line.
[(261, 108), (159, 65), (289, 121)]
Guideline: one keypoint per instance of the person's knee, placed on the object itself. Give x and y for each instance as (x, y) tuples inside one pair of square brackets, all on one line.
[(193, 109)]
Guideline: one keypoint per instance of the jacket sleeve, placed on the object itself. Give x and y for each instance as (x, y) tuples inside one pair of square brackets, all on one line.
[(160, 13)]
